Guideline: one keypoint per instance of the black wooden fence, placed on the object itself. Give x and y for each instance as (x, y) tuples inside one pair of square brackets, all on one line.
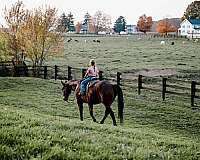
[(167, 86), (171, 86)]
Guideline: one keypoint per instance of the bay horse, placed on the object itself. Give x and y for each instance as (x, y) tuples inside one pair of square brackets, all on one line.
[(101, 92)]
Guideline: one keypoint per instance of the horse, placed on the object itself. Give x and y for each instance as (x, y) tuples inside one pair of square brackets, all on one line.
[(101, 92)]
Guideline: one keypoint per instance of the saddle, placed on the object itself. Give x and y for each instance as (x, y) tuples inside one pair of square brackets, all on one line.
[(91, 83)]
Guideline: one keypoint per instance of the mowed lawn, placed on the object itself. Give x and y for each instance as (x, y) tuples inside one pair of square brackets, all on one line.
[(37, 124)]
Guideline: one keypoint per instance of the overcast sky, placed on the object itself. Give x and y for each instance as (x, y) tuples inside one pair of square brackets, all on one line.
[(130, 9)]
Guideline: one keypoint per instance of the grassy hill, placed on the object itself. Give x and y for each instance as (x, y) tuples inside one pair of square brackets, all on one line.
[(37, 124)]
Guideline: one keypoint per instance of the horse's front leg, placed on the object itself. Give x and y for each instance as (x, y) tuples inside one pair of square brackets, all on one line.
[(80, 105), (91, 112)]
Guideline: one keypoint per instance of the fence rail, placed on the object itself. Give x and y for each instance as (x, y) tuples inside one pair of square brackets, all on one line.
[(167, 85), (166, 88)]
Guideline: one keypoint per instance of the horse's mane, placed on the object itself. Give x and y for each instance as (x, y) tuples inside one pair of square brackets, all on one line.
[(73, 83)]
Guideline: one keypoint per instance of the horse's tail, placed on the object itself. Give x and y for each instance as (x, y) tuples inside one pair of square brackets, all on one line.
[(118, 91)]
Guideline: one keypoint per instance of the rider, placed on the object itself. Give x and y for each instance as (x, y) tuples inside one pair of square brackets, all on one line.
[(92, 73)]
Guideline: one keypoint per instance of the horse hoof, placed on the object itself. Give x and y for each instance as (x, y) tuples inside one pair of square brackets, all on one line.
[(101, 122)]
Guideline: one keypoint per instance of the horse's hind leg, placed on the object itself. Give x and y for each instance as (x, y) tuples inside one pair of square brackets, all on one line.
[(107, 111), (91, 112), (113, 117)]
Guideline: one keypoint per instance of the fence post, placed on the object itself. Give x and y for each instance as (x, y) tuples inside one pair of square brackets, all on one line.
[(193, 90), (118, 78), (34, 71), (45, 72), (83, 70), (164, 82), (69, 70), (56, 72), (100, 75), (139, 84), (25, 70)]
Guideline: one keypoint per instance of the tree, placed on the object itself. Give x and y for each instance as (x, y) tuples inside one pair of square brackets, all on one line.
[(144, 23), (4, 49), (63, 23), (15, 17), (164, 26), (120, 24), (70, 24), (31, 33), (78, 27), (87, 25), (39, 32), (101, 21), (192, 11), (66, 23)]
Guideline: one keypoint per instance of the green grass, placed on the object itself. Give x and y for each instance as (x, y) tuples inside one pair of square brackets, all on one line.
[(37, 124), (129, 53)]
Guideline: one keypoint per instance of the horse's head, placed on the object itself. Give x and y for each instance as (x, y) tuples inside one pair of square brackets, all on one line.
[(67, 89)]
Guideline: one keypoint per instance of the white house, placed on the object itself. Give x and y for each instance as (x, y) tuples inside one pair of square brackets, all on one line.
[(190, 28), (130, 29)]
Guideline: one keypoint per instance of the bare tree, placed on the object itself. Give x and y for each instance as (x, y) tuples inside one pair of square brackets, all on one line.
[(101, 21)]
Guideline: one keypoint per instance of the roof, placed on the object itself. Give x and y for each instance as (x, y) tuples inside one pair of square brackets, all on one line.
[(194, 21)]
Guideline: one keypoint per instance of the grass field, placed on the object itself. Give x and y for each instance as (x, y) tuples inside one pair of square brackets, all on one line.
[(37, 124), (131, 53)]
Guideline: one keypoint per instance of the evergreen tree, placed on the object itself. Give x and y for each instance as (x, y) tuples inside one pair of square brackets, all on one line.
[(70, 23), (63, 23), (120, 24), (192, 11), (87, 25)]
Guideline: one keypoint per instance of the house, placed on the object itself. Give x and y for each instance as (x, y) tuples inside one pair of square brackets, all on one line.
[(130, 29), (190, 28)]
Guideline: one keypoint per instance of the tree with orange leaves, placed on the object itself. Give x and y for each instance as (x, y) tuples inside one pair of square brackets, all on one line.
[(78, 27), (144, 23), (32, 33), (164, 26)]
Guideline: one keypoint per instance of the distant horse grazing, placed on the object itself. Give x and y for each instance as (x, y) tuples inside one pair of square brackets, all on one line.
[(162, 42), (69, 40), (101, 92), (96, 40)]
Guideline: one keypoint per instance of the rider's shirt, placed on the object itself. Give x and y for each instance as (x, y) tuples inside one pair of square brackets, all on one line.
[(92, 71)]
